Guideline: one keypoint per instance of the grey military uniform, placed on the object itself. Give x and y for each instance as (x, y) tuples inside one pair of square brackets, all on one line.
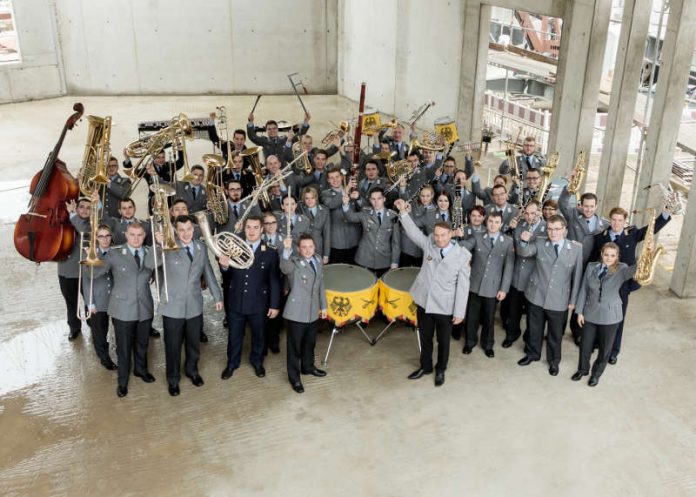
[(442, 285), (418, 213), (184, 281), (555, 282), (468, 199), (116, 190), (232, 218), (524, 266), (424, 174), (380, 245), (301, 225), (319, 228), (524, 163), (344, 234), (509, 212), (98, 288), (307, 292), (365, 186), (482, 193), (578, 228), (70, 266), (184, 190), (119, 226), (599, 300), (492, 265)]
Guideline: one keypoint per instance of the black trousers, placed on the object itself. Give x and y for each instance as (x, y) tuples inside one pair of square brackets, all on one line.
[(274, 327), (343, 256), (624, 293), (99, 326), (236, 322), (175, 330), (226, 277), (132, 338), (302, 338), (480, 310), (406, 260), (574, 326), (429, 325), (604, 334), (517, 305), (538, 317), (68, 287)]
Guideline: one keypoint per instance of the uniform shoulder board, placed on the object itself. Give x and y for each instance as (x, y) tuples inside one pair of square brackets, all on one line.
[(117, 247), (629, 229), (272, 246)]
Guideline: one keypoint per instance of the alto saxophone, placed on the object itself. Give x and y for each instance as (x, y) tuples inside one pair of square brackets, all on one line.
[(579, 170), (647, 261)]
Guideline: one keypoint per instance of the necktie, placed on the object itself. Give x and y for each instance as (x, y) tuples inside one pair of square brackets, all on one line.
[(379, 217), (188, 252), (442, 216), (556, 248), (529, 162), (492, 241), (602, 272), (194, 192), (311, 263), (236, 176), (369, 185), (312, 213), (137, 258), (236, 211), (588, 223), (442, 253)]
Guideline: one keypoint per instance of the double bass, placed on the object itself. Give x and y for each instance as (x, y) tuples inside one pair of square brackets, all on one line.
[(44, 232)]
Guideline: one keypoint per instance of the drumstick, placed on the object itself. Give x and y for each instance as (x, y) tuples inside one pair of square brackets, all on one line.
[(258, 97)]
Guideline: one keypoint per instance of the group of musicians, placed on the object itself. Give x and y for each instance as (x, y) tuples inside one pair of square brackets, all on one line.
[(553, 260)]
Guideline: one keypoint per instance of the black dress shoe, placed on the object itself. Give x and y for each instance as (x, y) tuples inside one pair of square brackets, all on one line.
[(204, 337), (418, 373), (260, 371), (174, 390), (456, 336), (578, 376), (297, 386), (593, 381), (316, 372), (196, 380), (489, 353), (553, 370), (227, 373), (525, 361), (439, 378), (466, 350), (154, 333), (121, 391), (74, 333), (109, 365), (507, 343), (147, 377), (612, 359)]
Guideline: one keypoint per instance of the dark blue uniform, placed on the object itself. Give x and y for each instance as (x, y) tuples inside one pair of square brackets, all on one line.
[(251, 293), (627, 241)]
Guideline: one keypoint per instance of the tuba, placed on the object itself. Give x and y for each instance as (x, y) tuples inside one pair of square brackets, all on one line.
[(217, 200), (92, 174), (649, 255), (579, 171), (253, 154), (226, 244)]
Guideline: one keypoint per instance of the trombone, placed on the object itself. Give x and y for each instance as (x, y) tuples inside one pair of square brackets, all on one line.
[(91, 260), (162, 223)]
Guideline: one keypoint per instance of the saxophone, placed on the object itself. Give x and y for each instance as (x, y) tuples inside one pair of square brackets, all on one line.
[(579, 170), (647, 261), (457, 209), (546, 173)]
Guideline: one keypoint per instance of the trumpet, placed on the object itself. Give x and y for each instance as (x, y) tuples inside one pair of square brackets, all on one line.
[(342, 130)]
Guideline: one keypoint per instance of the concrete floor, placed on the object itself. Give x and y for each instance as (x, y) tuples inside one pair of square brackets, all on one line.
[(493, 429)]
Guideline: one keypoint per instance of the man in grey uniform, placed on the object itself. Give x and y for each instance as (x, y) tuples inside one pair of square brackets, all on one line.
[(552, 289), (69, 268), (306, 303), (344, 234), (440, 291), (182, 308)]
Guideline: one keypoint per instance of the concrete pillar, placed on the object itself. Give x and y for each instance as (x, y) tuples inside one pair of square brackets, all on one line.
[(624, 92), (585, 26), (472, 81)]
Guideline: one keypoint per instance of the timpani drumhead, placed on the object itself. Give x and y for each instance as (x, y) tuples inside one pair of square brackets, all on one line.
[(351, 293), (395, 299)]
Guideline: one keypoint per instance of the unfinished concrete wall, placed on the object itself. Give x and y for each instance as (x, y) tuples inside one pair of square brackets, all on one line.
[(179, 46), (39, 74)]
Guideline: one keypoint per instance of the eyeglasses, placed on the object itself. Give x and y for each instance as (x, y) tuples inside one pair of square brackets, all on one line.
[(103, 236)]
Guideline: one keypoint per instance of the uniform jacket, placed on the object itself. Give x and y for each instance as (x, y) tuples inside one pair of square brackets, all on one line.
[(184, 190), (344, 234), (257, 289), (524, 163), (492, 265), (418, 213), (119, 225), (599, 300), (319, 228), (509, 212), (232, 219), (184, 281), (272, 146), (555, 282), (442, 285), (577, 224), (116, 190), (524, 266), (70, 266), (380, 244), (307, 293), (100, 287)]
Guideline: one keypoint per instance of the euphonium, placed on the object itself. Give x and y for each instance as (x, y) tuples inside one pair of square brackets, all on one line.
[(303, 165), (93, 171), (579, 173), (217, 200), (546, 174), (226, 244), (647, 261)]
